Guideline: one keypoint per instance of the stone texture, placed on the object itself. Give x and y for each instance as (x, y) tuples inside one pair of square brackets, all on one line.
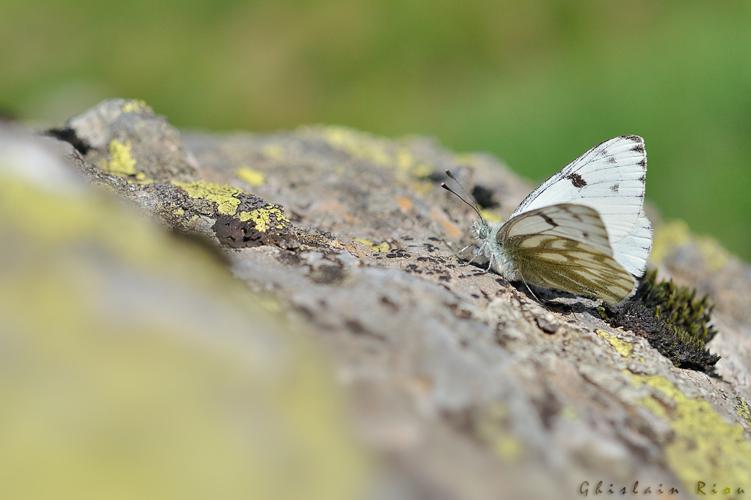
[(459, 384)]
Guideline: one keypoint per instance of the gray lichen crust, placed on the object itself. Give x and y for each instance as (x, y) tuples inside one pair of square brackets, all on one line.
[(464, 385)]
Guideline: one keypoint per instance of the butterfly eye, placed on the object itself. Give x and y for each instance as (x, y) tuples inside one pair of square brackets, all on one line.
[(480, 230)]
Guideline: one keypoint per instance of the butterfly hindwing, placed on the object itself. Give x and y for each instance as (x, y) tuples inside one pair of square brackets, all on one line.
[(610, 178), (566, 247)]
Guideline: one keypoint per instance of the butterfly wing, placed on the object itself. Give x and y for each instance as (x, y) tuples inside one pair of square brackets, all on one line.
[(566, 247), (610, 178), (633, 249)]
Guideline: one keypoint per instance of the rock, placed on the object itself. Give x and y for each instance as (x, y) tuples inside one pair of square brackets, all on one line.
[(134, 366), (458, 383)]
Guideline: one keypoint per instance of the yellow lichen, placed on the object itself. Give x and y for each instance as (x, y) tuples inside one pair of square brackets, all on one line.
[(178, 212), (569, 413), (674, 234), (358, 145), (422, 170), (223, 195), (376, 247), (107, 386), (121, 161), (743, 410), (404, 159), (491, 217), (368, 148), (266, 217), (704, 447), (491, 428), (622, 347), (251, 176), (273, 152), (136, 106)]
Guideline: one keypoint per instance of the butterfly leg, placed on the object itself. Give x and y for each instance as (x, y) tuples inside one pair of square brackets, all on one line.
[(477, 253)]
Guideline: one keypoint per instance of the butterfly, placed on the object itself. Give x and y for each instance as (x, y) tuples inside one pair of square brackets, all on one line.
[(583, 231)]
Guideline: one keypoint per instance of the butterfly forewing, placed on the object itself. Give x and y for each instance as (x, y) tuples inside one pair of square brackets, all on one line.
[(565, 247), (610, 178), (566, 220)]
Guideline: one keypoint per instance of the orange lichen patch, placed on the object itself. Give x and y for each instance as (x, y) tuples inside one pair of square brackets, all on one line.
[(405, 204), (332, 207), (449, 228)]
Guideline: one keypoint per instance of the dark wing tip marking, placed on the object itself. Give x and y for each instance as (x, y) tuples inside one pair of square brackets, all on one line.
[(643, 162), (576, 179), (639, 148), (633, 137)]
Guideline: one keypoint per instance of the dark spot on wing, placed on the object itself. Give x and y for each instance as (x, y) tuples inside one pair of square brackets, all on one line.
[(604, 152), (643, 178), (548, 220), (576, 180), (614, 188), (634, 138), (585, 234), (639, 148), (643, 162), (612, 160)]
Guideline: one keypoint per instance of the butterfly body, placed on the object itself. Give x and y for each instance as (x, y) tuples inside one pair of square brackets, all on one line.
[(490, 248), (582, 231)]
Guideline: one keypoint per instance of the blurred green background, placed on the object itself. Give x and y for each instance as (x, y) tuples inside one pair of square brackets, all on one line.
[(535, 82)]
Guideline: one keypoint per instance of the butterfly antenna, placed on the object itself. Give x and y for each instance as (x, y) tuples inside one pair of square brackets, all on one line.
[(447, 188)]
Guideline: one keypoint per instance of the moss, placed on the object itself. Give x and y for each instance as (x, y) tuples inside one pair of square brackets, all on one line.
[(224, 196), (250, 176), (672, 319), (704, 446), (622, 347), (381, 247), (121, 161), (265, 218)]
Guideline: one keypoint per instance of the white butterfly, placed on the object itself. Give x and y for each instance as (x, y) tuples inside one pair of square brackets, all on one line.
[(582, 231)]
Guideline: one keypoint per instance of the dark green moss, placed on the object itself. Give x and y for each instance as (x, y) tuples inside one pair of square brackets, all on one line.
[(672, 319)]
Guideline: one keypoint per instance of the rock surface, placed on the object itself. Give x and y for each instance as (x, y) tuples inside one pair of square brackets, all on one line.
[(457, 384)]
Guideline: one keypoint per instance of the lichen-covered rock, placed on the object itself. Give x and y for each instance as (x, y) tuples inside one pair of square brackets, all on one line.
[(461, 384), (132, 365)]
